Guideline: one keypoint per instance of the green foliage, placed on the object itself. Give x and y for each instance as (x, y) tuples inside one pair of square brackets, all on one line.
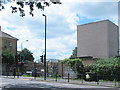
[(8, 57), (25, 75), (75, 64), (108, 62), (74, 53), (107, 69), (40, 4), (27, 54), (54, 75)]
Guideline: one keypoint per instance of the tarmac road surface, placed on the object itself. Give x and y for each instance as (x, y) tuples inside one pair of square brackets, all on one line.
[(23, 84)]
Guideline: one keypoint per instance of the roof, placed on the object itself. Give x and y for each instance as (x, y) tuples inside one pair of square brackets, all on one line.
[(3, 34), (8, 36), (97, 22), (83, 57)]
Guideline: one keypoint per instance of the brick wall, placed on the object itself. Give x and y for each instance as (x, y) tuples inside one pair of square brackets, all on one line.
[(9, 43)]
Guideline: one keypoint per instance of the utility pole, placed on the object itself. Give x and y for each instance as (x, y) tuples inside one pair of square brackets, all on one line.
[(45, 50), (118, 35)]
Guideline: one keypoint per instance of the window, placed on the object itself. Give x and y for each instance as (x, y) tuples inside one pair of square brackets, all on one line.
[(10, 44)]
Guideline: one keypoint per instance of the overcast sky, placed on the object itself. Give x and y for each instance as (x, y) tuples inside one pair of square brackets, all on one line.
[(62, 21)]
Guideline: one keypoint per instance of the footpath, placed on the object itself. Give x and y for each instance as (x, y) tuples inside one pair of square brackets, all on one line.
[(78, 82)]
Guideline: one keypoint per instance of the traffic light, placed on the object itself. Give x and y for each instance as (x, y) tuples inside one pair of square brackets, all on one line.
[(22, 59), (18, 57), (41, 58)]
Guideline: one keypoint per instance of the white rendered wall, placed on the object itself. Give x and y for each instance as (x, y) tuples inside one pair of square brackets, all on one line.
[(113, 39), (93, 39)]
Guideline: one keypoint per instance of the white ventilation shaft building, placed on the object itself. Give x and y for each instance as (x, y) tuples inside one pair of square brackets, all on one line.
[(98, 39)]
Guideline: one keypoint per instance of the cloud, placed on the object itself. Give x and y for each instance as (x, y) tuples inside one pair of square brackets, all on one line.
[(95, 9), (62, 21)]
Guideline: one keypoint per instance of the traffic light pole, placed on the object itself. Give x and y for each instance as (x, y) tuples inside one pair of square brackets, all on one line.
[(17, 65), (45, 51)]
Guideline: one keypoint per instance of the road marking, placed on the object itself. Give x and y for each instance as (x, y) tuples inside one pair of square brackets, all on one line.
[(26, 79)]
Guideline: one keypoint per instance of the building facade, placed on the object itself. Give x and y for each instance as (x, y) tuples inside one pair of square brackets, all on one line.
[(7, 42), (98, 39)]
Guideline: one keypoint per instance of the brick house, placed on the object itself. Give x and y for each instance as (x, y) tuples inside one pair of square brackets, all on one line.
[(7, 42)]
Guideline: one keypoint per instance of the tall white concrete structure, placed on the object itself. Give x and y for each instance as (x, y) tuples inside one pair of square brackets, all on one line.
[(98, 39), (119, 21), (0, 52)]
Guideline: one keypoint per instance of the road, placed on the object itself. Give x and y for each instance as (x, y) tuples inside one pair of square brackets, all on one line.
[(15, 84)]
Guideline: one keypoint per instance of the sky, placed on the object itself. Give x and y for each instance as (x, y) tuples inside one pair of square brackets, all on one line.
[(62, 21)]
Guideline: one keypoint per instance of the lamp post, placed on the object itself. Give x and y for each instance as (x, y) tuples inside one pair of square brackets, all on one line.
[(118, 35), (21, 56), (22, 44), (45, 50)]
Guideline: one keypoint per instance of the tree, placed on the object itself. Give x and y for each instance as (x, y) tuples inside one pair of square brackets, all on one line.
[(40, 4), (74, 53), (26, 54), (8, 57), (76, 65)]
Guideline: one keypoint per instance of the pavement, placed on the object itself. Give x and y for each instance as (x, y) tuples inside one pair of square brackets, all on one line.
[(65, 83)]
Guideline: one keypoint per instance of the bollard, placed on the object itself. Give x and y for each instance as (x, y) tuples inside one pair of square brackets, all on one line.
[(18, 72), (115, 81), (56, 76), (35, 73), (18, 75), (14, 72), (82, 78), (7, 74), (68, 77), (62, 70), (97, 80)]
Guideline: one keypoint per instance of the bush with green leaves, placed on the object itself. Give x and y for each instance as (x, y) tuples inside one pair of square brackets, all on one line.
[(8, 57), (76, 65), (54, 75), (107, 69)]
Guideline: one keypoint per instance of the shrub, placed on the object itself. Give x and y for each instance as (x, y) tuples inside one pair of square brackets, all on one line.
[(107, 69), (76, 65)]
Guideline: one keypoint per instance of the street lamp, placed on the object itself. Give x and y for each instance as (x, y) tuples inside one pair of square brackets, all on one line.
[(45, 50), (54, 2), (22, 44), (21, 56)]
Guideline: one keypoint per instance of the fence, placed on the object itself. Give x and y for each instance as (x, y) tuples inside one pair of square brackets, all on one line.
[(93, 80), (60, 72)]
